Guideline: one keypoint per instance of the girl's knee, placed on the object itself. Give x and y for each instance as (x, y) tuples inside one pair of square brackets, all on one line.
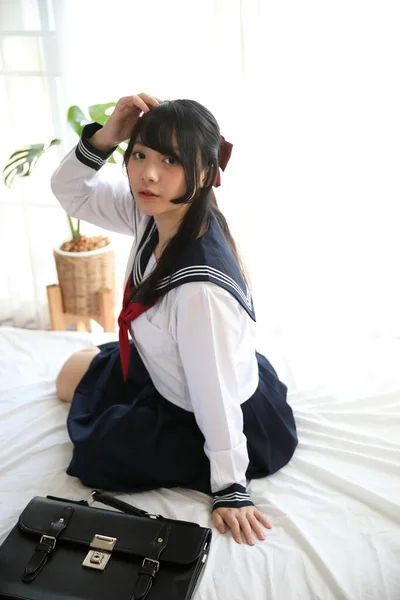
[(72, 372), (93, 349), (62, 387)]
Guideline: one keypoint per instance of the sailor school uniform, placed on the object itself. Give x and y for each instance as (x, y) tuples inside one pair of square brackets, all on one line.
[(189, 402)]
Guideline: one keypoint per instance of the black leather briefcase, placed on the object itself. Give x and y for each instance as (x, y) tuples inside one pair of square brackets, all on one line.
[(68, 550)]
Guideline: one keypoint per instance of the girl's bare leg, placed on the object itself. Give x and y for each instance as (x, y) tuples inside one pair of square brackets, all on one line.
[(72, 372)]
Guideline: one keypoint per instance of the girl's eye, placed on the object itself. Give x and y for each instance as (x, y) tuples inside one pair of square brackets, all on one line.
[(141, 156)]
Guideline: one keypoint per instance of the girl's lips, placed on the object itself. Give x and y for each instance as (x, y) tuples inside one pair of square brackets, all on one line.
[(146, 195)]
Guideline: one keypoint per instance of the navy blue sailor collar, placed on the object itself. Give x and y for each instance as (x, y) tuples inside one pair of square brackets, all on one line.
[(208, 258)]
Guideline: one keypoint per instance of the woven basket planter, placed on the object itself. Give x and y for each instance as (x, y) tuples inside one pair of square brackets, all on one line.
[(82, 275)]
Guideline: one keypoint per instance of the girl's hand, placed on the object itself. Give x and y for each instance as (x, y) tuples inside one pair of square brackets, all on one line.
[(122, 120), (243, 520)]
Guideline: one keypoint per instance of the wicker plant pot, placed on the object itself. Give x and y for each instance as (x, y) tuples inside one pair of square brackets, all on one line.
[(82, 275)]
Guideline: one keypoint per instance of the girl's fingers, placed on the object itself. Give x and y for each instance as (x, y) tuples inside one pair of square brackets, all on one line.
[(262, 518), (244, 523), (128, 101), (149, 100), (140, 103), (219, 522), (156, 101), (235, 527), (246, 529), (256, 527)]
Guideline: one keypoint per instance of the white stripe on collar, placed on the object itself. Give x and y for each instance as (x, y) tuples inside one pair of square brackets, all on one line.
[(137, 271), (190, 272)]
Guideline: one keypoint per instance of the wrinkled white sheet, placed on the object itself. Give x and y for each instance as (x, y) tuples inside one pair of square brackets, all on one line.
[(335, 509)]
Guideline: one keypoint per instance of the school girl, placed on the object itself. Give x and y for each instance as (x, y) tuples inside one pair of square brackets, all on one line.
[(187, 402)]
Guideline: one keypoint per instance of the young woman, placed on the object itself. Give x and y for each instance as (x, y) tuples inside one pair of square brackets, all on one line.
[(188, 402)]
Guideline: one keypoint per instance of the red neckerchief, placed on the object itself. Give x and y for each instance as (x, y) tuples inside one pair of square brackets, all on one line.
[(130, 311)]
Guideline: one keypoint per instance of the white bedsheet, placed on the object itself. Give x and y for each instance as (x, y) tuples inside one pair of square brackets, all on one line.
[(335, 509)]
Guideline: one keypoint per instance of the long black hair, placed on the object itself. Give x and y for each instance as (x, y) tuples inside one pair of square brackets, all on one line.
[(198, 137)]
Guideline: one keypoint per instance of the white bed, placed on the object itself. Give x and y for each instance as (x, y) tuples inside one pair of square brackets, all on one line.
[(335, 509)]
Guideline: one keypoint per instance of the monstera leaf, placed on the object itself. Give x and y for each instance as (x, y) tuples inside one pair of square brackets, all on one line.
[(77, 119), (22, 162), (98, 113), (101, 112)]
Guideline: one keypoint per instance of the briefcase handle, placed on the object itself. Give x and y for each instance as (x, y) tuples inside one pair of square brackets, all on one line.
[(108, 500)]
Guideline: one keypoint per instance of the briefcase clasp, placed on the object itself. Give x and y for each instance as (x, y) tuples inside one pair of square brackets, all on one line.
[(98, 557)]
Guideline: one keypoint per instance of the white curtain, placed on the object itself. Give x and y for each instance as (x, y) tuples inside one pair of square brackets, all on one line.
[(307, 92)]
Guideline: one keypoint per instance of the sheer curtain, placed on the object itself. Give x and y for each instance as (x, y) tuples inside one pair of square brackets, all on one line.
[(307, 94), (30, 221)]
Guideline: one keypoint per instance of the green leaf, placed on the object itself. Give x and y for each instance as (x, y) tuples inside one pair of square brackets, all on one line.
[(120, 150), (21, 153), (8, 180), (22, 162), (77, 119), (20, 170), (16, 160), (100, 112)]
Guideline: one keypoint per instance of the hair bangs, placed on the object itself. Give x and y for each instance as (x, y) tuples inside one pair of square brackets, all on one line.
[(157, 130)]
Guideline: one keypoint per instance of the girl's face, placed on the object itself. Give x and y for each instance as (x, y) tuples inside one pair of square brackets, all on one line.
[(161, 175)]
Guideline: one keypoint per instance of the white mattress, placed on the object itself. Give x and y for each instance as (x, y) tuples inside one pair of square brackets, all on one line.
[(335, 509)]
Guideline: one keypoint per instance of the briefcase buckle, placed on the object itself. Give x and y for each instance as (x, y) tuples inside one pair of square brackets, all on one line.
[(149, 563), (49, 541), (100, 554)]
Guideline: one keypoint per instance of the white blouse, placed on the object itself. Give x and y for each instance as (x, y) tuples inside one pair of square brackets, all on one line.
[(197, 343)]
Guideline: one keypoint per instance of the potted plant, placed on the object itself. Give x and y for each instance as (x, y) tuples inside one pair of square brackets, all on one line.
[(85, 265)]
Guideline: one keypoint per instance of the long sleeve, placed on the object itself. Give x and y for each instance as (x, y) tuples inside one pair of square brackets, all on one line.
[(209, 335), (85, 194)]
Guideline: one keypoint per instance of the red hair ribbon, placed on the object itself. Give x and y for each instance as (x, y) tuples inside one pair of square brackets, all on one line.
[(225, 151), (130, 311)]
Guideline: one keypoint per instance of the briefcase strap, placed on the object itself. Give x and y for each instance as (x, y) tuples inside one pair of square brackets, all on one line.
[(151, 565), (46, 545)]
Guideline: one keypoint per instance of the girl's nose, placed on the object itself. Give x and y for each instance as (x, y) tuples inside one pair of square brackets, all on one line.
[(150, 172)]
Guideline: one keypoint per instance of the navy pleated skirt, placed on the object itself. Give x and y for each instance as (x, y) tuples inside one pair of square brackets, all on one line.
[(128, 437)]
